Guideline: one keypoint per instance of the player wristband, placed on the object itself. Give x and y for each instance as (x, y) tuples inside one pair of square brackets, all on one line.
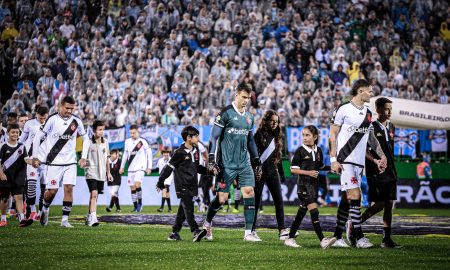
[(333, 159)]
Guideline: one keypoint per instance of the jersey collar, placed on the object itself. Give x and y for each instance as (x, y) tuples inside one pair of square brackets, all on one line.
[(236, 109), (309, 149)]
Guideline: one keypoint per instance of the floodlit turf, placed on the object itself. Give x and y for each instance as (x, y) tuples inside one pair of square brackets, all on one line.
[(111, 246)]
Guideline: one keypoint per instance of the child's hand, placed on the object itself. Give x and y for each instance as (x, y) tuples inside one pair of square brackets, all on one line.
[(3, 177), (314, 174), (121, 171)]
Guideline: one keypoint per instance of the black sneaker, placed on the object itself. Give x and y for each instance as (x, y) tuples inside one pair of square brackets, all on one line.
[(174, 237), (160, 210), (198, 235), (108, 209), (389, 243)]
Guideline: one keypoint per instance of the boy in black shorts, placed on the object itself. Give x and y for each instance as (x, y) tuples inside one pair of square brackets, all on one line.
[(114, 167), (13, 161)]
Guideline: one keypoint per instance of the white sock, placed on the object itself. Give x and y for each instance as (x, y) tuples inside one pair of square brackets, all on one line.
[(3, 217), (65, 218), (33, 208), (247, 232), (94, 214), (21, 216)]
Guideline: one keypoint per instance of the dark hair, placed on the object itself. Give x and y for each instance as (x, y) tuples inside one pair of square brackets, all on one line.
[(67, 99), (244, 87), (265, 130), (42, 110), (314, 131), (12, 126), (12, 114), (380, 102), (359, 84), (98, 123), (136, 127), (114, 151), (23, 115), (189, 131)]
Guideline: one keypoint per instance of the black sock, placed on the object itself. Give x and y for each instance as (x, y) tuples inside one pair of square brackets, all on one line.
[(297, 221), (134, 198), (162, 202), (341, 218), (236, 204), (355, 215), (41, 197), (212, 209), (139, 195), (117, 203), (13, 205), (67, 207), (316, 223), (111, 204), (168, 203), (387, 233)]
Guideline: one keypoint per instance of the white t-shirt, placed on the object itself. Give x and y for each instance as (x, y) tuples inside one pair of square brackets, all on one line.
[(30, 129), (161, 164), (59, 145), (356, 124), (138, 154)]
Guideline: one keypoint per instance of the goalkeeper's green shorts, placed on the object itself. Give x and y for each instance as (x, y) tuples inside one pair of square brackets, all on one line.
[(244, 176)]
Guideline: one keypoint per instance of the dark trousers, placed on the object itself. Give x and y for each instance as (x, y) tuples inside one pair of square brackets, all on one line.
[(185, 212), (273, 183)]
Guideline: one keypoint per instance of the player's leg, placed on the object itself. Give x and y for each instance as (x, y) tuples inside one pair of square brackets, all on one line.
[(116, 196), (274, 186), (169, 205), (223, 184), (4, 194), (69, 180), (179, 219), (53, 180), (246, 180), (163, 200), (325, 242), (354, 196), (93, 195), (138, 178), (31, 192), (188, 208), (113, 198), (391, 193), (20, 209), (131, 184), (237, 199), (259, 186), (301, 212)]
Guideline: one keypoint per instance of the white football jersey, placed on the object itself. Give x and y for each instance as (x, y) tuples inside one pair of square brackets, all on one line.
[(138, 155), (59, 145), (356, 124), (30, 130), (161, 164), (3, 135)]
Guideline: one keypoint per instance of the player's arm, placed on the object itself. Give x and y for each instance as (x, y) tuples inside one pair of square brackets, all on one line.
[(124, 159), (376, 147), (39, 156), (86, 143), (335, 165), (149, 157), (215, 135), (108, 163), (2, 174), (252, 149), (25, 133)]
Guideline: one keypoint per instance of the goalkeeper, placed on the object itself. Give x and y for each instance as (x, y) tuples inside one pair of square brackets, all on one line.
[(232, 147)]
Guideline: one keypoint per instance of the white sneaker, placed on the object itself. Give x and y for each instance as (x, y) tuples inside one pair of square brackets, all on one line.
[(44, 217), (340, 243), (363, 243), (208, 227), (290, 242), (327, 242), (66, 224), (92, 221), (284, 234), (252, 237)]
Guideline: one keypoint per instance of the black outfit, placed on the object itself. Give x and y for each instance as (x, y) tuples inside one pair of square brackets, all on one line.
[(185, 165), (114, 170), (307, 159), (14, 167), (383, 187), (206, 182), (271, 172), (94, 184)]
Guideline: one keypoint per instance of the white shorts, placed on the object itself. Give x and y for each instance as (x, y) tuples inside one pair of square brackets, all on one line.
[(134, 177), (56, 176), (351, 177), (114, 190), (37, 173)]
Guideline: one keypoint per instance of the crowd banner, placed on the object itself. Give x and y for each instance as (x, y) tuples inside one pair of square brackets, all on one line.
[(438, 140), (405, 142), (418, 114)]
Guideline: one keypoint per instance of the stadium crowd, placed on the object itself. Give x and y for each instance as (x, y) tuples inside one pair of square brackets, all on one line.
[(177, 62)]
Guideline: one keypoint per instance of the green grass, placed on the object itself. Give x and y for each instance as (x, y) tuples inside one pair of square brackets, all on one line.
[(115, 246)]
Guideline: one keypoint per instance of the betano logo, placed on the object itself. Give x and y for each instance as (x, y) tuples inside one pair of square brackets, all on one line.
[(236, 131), (64, 136), (359, 130)]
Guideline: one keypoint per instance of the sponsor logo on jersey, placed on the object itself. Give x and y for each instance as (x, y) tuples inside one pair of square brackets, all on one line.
[(359, 129), (236, 131), (64, 136)]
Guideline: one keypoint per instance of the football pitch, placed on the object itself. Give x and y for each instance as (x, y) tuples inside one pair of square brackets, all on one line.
[(124, 246)]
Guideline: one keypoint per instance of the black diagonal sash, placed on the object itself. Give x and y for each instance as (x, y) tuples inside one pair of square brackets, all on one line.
[(135, 149), (351, 144), (58, 146)]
